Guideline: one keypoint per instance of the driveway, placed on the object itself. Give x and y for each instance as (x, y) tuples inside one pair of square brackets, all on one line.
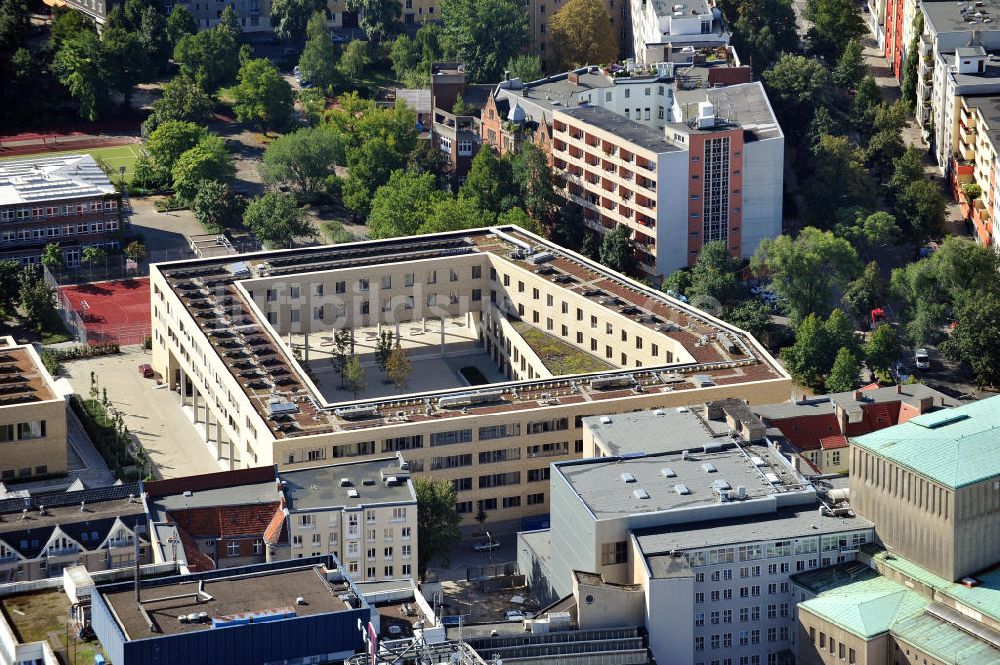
[(153, 414), (165, 232)]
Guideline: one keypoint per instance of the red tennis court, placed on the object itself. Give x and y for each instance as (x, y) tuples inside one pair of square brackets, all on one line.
[(115, 311)]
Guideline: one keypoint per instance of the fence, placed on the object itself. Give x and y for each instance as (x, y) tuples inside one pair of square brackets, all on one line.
[(69, 316)]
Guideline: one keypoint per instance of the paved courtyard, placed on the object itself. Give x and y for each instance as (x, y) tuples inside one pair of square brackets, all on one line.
[(152, 413)]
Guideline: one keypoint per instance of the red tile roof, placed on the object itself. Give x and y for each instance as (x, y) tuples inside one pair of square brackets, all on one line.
[(833, 442), (805, 432), (197, 560), (272, 534), (225, 521)]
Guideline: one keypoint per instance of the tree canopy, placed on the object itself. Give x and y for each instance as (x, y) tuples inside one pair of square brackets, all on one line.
[(437, 521), (379, 18), (290, 17), (302, 159), (484, 34), (276, 219), (262, 95), (172, 139), (209, 160), (581, 34)]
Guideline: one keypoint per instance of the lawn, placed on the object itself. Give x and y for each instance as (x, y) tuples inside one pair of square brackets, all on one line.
[(116, 156), (37, 616), (558, 356)]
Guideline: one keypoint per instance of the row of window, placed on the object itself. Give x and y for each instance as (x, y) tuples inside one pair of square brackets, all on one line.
[(493, 503), (41, 212), (778, 548), (32, 429), (744, 638), (840, 649), (746, 614), (41, 233), (364, 284)]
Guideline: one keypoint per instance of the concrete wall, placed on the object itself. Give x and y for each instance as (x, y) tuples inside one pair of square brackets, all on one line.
[(670, 620), (763, 177), (608, 605)]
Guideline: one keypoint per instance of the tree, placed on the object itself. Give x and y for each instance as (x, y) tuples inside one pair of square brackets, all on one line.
[(840, 333), (844, 374), (402, 205), (180, 23), (354, 60), (581, 34), (713, 276), (617, 251), (275, 218), (405, 55), (835, 24), (52, 257), (262, 95), (214, 205), (490, 182), (149, 175), (839, 178), (318, 62), (883, 147), (908, 168), (484, 34), (518, 217), (867, 292), (533, 177), (910, 66), (38, 300), (456, 214), (152, 31), (762, 29), (171, 139), (67, 23), (878, 228), (182, 99), (10, 284), (136, 250), (354, 375), (752, 316), (461, 108), (80, 65), (369, 167), (864, 106), (437, 521), (209, 160), (209, 57), (229, 22), (851, 67), (808, 359), (525, 67), (398, 367), (383, 349), (923, 206), (290, 17), (379, 18), (973, 339), (302, 160), (428, 158), (806, 270), (343, 342), (92, 255), (797, 86), (883, 348)]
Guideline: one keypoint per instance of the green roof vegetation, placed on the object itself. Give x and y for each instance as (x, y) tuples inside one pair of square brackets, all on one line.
[(955, 447), (559, 357), (36, 617), (867, 608)]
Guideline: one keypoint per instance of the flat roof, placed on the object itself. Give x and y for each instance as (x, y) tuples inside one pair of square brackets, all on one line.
[(955, 447), (654, 431), (867, 608), (947, 16), (323, 487), (625, 128), (23, 379), (37, 179), (832, 577), (262, 591), (600, 482), (265, 367), (742, 105), (786, 523)]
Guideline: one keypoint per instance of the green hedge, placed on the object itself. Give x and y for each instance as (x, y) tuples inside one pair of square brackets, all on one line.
[(99, 426)]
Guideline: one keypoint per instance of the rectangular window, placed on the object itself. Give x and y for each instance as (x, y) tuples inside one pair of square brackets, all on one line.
[(536, 499)]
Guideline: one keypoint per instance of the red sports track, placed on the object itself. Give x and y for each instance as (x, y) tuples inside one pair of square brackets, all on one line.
[(115, 311)]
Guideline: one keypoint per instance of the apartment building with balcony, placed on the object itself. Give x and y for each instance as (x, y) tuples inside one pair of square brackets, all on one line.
[(364, 513), (95, 528), (457, 136), (67, 200), (32, 416), (661, 28)]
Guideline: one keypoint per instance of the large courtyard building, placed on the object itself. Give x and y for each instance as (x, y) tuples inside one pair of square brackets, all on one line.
[(66, 200), (681, 153), (512, 341)]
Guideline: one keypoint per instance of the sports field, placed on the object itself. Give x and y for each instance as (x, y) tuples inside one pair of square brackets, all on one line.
[(115, 156), (116, 311)]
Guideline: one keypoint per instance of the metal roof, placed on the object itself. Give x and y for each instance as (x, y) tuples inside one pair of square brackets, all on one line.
[(946, 641), (955, 447), (867, 608), (39, 179)]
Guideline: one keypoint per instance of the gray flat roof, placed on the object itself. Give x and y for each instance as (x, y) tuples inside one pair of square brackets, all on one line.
[(654, 431), (787, 523), (990, 108), (741, 104), (238, 495), (540, 543), (601, 486), (266, 591), (947, 16), (324, 486), (629, 130), (663, 566), (824, 579), (822, 404)]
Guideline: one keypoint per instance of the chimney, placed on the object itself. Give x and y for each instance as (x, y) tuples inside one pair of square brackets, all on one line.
[(899, 389), (506, 75), (857, 395), (573, 77)]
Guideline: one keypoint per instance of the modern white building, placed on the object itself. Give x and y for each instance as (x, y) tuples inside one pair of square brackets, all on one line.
[(660, 27)]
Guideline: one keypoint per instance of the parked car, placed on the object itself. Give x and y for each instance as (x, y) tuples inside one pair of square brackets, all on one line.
[(146, 371), (487, 546), (921, 359)]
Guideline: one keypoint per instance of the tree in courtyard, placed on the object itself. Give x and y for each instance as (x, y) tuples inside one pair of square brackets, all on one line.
[(533, 177), (215, 206), (369, 166), (290, 17), (797, 86), (403, 205), (581, 34), (318, 62), (806, 270), (882, 349), (437, 521), (171, 139), (276, 219), (303, 160), (398, 367), (753, 316), (343, 345), (262, 95), (484, 34), (835, 24), (383, 349), (354, 376), (10, 284), (52, 257), (844, 374), (379, 18), (617, 251), (867, 292), (209, 160), (354, 60), (973, 341)]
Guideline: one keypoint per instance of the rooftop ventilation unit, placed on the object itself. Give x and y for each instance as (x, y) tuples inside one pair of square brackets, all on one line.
[(757, 461), (703, 380), (469, 399), (712, 447), (659, 412), (359, 411), (683, 409), (627, 477), (720, 485), (279, 405), (612, 382), (540, 257), (667, 472), (605, 420), (353, 493), (345, 482), (772, 478), (640, 493), (708, 467), (367, 481), (681, 489)]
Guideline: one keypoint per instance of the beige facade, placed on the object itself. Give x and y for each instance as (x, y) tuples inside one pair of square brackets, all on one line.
[(496, 452), (822, 643), (32, 416)]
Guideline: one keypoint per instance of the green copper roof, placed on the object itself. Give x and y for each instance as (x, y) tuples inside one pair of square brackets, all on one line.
[(945, 641), (984, 597), (955, 447), (867, 608)]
